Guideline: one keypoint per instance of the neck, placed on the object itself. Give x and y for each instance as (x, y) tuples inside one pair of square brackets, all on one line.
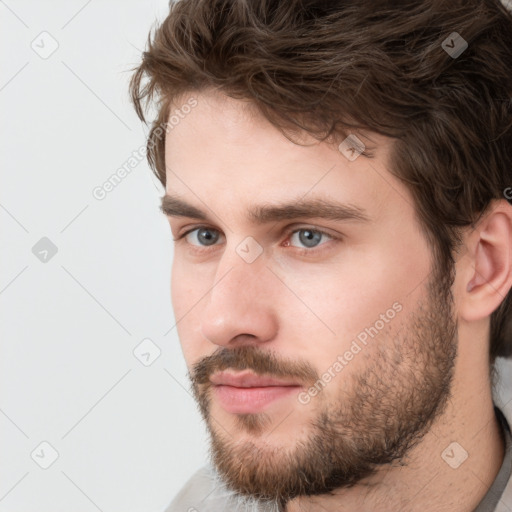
[(433, 475)]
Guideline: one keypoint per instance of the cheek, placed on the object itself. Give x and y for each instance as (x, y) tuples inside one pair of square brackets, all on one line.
[(187, 289), (364, 298), (338, 298), (186, 305), (178, 292)]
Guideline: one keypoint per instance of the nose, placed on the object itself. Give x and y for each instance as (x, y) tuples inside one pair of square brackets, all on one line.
[(240, 308)]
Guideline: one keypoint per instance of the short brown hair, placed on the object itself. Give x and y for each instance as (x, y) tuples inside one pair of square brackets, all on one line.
[(333, 67)]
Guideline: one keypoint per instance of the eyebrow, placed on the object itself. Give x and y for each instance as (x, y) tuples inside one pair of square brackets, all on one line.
[(173, 206)]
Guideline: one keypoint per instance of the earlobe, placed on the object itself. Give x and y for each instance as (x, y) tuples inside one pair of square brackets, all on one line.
[(489, 264)]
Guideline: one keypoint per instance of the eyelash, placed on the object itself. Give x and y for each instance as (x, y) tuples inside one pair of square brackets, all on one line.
[(313, 250)]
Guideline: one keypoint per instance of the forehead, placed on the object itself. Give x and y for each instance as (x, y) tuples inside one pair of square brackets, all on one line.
[(226, 146)]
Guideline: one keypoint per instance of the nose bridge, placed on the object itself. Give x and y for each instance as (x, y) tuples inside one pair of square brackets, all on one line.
[(239, 300), (238, 281)]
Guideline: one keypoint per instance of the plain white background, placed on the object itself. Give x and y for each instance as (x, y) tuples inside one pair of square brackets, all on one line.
[(124, 436), (128, 435)]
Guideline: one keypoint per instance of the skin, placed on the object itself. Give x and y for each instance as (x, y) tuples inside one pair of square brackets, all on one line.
[(223, 157)]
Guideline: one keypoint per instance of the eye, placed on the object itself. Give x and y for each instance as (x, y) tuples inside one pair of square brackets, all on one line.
[(203, 235), (308, 236)]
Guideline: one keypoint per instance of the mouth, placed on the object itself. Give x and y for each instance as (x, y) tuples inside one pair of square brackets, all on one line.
[(246, 393)]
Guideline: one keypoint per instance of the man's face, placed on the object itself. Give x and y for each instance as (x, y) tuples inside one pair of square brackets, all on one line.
[(314, 357)]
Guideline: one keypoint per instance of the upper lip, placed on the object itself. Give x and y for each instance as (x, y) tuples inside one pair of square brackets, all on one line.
[(247, 379)]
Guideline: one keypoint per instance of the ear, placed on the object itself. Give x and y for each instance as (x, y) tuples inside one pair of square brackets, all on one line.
[(486, 268)]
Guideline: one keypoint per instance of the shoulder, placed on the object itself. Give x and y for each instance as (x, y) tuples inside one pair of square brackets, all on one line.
[(505, 500), (206, 492), (196, 489)]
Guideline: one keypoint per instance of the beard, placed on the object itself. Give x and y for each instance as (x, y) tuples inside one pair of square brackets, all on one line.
[(377, 416)]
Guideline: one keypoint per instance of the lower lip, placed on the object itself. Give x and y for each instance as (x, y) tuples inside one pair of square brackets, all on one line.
[(251, 400)]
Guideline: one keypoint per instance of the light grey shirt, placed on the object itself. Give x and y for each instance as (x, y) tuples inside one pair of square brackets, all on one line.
[(206, 492)]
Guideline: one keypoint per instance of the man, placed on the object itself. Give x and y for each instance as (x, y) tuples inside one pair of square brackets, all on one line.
[(336, 179)]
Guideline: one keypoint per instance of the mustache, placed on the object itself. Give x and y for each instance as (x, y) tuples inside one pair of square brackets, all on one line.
[(251, 358)]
